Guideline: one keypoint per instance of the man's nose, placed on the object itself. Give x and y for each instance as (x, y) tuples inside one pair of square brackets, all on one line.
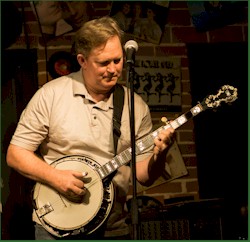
[(111, 67)]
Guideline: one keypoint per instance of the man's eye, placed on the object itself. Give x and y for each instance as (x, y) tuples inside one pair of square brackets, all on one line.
[(104, 63), (117, 61)]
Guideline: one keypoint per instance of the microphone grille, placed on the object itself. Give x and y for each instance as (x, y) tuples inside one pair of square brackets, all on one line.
[(131, 44)]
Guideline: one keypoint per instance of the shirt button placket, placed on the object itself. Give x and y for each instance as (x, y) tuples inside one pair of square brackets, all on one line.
[(94, 117)]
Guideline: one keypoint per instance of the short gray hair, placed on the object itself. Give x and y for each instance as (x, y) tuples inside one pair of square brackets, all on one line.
[(95, 33)]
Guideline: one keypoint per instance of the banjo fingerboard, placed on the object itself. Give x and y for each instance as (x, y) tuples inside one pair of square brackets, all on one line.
[(124, 157)]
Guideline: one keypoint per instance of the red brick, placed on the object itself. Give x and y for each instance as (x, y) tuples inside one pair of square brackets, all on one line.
[(192, 173), (190, 160), (178, 4), (66, 39), (42, 79), (32, 28), (179, 17), (145, 51), (22, 41), (30, 16), (101, 4), (168, 187), (186, 99), (42, 66), (192, 186), (228, 34), (186, 149), (185, 109), (160, 198), (185, 76), (184, 62), (170, 50), (50, 52), (188, 35), (186, 136)]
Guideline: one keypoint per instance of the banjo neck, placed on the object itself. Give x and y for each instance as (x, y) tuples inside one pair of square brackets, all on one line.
[(225, 94), (141, 145)]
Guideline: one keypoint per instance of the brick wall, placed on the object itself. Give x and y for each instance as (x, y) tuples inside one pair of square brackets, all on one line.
[(178, 32)]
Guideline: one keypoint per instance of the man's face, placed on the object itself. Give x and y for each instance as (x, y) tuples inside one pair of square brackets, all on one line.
[(104, 66), (49, 12), (75, 13), (126, 8)]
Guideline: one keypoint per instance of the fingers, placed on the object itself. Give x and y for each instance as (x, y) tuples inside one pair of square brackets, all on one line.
[(70, 184), (79, 188), (164, 137), (163, 140), (80, 191), (80, 175)]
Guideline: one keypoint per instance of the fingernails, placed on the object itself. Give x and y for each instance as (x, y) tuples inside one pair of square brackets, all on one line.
[(84, 173), (84, 191)]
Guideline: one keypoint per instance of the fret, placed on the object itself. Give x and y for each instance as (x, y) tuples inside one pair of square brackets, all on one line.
[(155, 133), (114, 163), (149, 140), (108, 167), (118, 161), (145, 142), (167, 126), (174, 124), (119, 157), (111, 167), (181, 120), (196, 109), (128, 154), (140, 145), (124, 158), (101, 172)]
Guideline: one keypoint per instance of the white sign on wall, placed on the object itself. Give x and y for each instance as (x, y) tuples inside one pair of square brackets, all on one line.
[(158, 82)]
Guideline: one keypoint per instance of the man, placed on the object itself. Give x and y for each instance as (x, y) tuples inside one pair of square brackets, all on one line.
[(73, 115)]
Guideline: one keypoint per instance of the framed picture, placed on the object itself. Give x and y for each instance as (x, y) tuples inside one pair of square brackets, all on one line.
[(158, 81), (142, 20), (208, 15), (59, 17)]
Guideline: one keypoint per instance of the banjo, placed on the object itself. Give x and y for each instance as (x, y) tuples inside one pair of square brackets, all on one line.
[(62, 217)]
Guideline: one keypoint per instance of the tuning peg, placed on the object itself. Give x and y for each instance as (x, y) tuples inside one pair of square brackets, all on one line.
[(165, 120)]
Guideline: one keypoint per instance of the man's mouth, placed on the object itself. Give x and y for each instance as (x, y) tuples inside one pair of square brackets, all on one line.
[(110, 78)]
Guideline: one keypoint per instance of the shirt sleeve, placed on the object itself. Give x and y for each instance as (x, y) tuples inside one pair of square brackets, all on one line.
[(33, 124), (144, 130)]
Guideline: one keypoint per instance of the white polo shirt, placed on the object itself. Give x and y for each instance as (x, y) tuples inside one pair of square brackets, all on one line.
[(62, 119)]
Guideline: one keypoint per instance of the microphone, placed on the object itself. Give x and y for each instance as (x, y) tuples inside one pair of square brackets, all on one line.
[(131, 47)]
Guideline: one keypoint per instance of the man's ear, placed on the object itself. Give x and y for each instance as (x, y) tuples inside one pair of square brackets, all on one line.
[(81, 60)]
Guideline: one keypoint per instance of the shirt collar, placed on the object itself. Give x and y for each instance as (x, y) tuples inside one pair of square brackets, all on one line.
[(80, 89), (78, 83)]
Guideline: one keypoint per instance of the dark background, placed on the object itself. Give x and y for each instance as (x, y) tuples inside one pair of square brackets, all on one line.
[(221, 136)]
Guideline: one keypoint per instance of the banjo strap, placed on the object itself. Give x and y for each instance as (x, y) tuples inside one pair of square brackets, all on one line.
[(118, 101)]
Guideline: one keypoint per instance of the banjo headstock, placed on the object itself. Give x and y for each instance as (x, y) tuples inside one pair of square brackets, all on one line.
[(226, 94)]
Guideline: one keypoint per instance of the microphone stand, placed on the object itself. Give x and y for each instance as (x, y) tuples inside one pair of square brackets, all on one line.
[(134, 204)]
